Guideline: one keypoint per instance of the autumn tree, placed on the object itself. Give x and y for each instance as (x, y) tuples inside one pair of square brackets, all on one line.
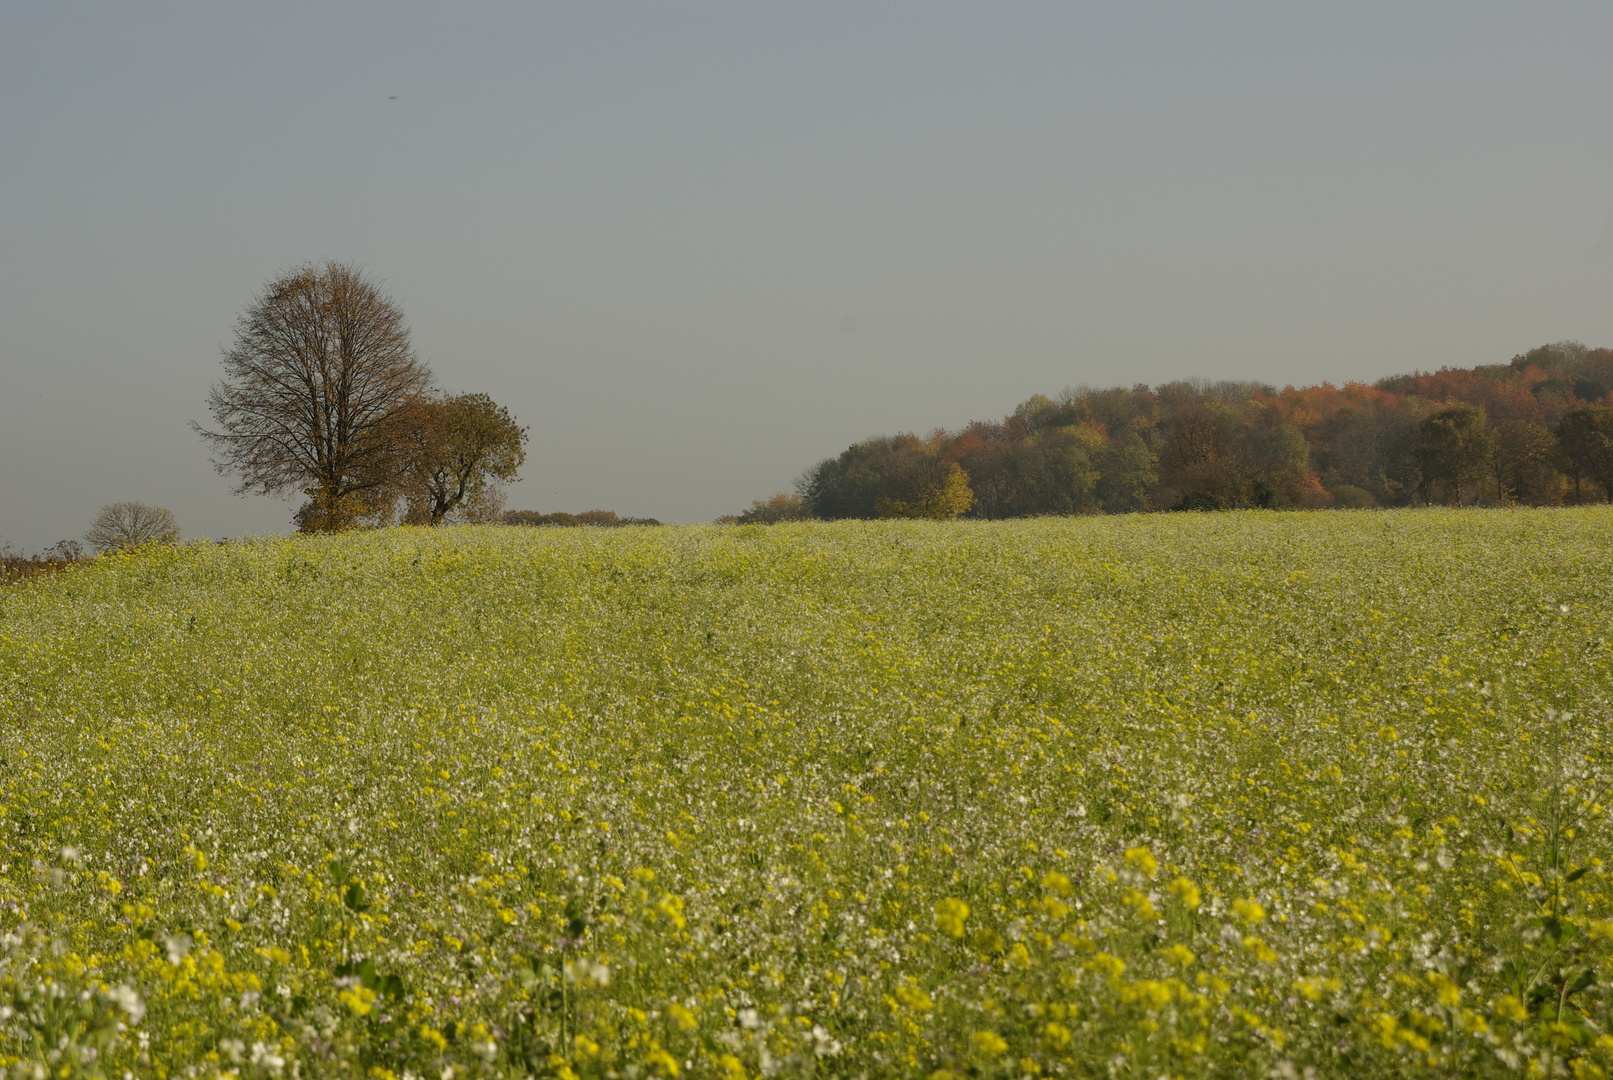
[(315, 384), (1453, 435), (1035, 462), (1277, 456), (455, 451), (1523, 463), (784, 506), (1057, 469), (946, 496)]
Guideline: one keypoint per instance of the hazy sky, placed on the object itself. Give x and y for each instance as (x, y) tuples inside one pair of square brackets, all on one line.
[(699, 247)]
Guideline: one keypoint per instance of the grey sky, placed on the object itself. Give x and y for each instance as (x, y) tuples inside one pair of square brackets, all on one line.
[(699, 247)]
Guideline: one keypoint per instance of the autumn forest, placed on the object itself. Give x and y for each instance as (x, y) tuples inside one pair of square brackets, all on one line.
[(1536, 431)]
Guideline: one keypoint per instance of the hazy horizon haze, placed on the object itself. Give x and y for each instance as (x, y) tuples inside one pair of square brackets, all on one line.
[(698, 248)]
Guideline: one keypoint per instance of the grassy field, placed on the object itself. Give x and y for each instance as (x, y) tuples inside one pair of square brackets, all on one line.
[(1167, 795)]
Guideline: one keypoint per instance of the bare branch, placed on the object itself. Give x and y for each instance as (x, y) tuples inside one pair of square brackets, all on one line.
[(320, 370)]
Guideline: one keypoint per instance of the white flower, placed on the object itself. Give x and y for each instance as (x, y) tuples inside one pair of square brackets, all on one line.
[(129, 1000)]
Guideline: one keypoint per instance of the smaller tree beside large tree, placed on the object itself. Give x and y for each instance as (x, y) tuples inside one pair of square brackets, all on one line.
[(455, 450)]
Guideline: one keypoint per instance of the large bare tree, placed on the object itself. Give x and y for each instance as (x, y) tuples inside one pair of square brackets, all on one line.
[(319, 378)]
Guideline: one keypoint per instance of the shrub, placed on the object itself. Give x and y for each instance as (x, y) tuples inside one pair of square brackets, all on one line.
[(130, 524)]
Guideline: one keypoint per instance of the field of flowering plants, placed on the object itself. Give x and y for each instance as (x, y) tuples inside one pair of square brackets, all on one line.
[(1144, 796)]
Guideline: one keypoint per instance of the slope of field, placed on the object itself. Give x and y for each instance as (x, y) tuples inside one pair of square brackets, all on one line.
[(1182, 795)]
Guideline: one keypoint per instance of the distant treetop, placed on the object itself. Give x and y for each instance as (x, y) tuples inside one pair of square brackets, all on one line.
[(604, 518), (130, 524)]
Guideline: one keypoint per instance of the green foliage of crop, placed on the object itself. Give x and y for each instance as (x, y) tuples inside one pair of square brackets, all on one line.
[(1185, 795)]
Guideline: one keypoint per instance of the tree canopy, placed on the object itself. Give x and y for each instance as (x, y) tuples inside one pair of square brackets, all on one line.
[(314, 386), (456, 450)]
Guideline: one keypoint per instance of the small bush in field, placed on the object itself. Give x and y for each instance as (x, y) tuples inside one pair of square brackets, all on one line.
[(130, 524)]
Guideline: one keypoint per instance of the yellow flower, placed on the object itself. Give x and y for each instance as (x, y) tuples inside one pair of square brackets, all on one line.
[(1312, 989), (433, 1036), (584, 1047), (1261, 951), (1111, 966), (1508, 1007), (914, 998), (1445, 991), (990, 1043), (1055, 882), (360, 999), (732, 1068), (1052, 907), (1185, 891), (1248, 912), (671, 909), (682, 1016), (1140, 858), (1179, 954), (1140, 903), (950, 915), (1149, 993), (662, 1062), (1056, 1035)]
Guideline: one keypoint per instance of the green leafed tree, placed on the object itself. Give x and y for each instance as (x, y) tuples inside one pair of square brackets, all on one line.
[(783, 506), (1585, 435), (1203, 464), (1454, 450)]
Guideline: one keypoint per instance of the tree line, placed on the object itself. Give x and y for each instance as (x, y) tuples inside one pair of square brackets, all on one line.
[(1536, 431)]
